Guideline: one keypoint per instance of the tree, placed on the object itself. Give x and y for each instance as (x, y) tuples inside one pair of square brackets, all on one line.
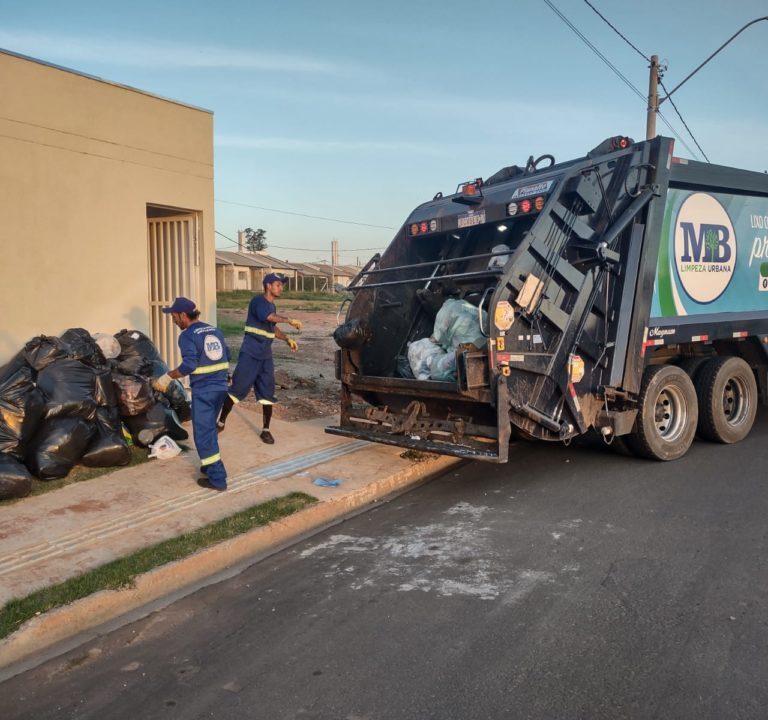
[(255, 239)]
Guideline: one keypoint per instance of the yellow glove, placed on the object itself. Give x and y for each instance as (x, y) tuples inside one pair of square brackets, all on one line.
[(292, 344), (296, 324), (161, 384)]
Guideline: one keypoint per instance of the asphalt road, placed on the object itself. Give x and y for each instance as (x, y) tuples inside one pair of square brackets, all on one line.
[(570, 583)]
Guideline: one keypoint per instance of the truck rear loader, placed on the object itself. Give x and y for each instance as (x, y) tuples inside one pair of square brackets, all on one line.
[(623, 293)]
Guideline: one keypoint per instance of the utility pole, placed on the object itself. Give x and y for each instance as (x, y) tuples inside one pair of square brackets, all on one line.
[(653, 99), (334, 261)]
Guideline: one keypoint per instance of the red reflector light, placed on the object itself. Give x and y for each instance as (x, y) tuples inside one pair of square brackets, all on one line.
[(525, 206), (423, 227)]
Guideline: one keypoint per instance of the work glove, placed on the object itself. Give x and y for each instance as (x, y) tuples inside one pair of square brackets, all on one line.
[(292, 344), (296, 324), (161, 383)]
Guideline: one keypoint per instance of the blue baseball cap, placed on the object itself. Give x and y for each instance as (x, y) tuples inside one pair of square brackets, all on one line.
[(274, 277), (181, 305)]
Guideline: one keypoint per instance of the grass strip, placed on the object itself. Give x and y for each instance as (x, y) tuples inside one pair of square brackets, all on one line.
[(121, 573)]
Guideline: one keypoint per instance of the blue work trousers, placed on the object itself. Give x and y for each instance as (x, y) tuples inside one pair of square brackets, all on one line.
[(205, 411)]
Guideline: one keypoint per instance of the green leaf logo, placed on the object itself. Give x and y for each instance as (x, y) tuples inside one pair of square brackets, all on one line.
[(711, 242)]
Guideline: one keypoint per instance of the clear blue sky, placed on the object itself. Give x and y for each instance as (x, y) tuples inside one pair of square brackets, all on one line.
[(361, 111)]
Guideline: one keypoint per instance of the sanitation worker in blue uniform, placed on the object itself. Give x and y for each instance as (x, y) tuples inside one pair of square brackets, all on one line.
[(205, 358), (255, 366)]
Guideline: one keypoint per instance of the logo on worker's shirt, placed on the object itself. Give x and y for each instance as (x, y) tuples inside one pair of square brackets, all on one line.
[(705, 248), (214, 350)]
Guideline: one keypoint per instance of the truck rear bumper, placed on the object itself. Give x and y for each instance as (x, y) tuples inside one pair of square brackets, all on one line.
[(488, 452)]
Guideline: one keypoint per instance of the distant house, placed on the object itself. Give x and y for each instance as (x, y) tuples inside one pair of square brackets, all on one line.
[(107, 206), (322, 277), (246, 270)]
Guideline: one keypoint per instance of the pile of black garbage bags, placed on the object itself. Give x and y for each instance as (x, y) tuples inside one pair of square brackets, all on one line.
[(63, 402)]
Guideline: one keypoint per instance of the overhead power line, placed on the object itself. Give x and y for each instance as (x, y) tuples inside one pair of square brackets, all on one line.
[(305, 215), (647, 59), (313, 250), (616, 71)]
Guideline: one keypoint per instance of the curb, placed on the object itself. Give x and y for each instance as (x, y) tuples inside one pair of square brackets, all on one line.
[(55, 632)]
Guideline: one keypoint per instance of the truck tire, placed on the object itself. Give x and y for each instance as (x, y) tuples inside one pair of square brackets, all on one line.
[(727, 393), (667, 414), (692, 365)]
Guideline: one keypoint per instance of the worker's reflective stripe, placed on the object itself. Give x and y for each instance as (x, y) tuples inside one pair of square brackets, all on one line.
[(259, 331), (210, 460), (266, 402), (211, 368), (233, 398)]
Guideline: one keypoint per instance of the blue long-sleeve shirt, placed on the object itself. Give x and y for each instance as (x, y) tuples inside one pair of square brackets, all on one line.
[(204, 357)]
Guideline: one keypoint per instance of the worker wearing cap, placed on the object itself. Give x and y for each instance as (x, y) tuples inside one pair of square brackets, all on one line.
[(255, 367), (205, 358)]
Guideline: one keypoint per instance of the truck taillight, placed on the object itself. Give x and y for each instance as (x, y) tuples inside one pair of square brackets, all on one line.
[(522, 207), (423, 227)]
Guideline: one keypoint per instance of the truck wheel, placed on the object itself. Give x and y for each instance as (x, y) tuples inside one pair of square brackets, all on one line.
[(727, 394), (692, 365), (667, 414)]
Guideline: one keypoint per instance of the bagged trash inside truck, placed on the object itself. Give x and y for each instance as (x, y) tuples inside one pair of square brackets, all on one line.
[(83, 347), (15, 480), (69, 388), (108, 447), (57, 446), (22, 407), (443, 367), (421, 354), (457, 323)]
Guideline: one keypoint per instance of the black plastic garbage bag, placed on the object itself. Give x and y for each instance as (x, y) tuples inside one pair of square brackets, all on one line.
[(352, 334), (107, 448), (177, 397), (57, 446), (22, 407), (138, 355), (159, 420), (134, 394), (83, 347), (15, 480), (105, 394), (69, 387), (43, 350)]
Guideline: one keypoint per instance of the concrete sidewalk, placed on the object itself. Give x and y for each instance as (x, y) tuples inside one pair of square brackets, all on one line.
[(52, 537)]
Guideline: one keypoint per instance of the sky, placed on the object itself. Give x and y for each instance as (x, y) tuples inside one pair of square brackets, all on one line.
[(334, 119)]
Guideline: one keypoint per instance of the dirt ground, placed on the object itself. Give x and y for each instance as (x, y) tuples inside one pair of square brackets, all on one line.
[(306, 385)]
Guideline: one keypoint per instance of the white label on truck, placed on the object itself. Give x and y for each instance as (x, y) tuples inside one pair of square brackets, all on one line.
[(472, 218), (527, 190)]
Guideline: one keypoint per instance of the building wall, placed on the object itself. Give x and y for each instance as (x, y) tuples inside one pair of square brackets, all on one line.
[(81, 159)]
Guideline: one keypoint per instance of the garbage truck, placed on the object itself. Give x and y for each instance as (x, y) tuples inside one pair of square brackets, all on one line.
[(623, 294)]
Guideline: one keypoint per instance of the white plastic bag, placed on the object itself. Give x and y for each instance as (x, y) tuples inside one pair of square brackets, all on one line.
[(420, 356), (164, 448), (109, 345)]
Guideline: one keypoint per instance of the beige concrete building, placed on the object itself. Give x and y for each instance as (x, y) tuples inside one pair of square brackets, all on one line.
[(106, 206)]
